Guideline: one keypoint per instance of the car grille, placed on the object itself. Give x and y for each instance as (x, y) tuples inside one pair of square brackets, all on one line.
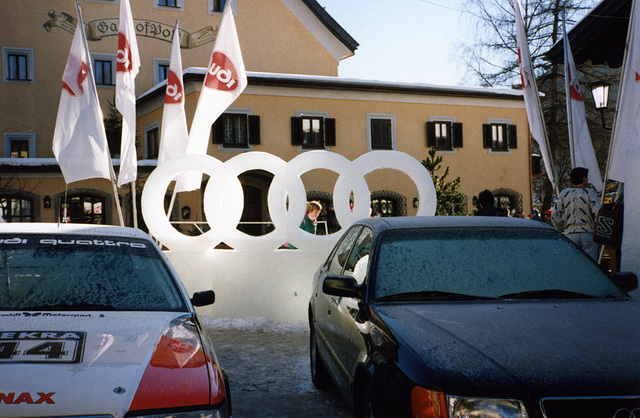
[(610, 407)]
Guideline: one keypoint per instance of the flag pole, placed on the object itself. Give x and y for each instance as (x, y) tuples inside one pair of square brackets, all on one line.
[(567, 89), (619, 100), (95, 93)]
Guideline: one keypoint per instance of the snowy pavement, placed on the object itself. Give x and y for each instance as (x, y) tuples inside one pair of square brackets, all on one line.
[(268, 368)]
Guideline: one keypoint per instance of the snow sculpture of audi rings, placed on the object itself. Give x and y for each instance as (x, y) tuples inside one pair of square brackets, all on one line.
[(223, 197)]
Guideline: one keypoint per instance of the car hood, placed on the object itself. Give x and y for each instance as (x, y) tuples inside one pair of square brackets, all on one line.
[(562, 348), (80, 363)]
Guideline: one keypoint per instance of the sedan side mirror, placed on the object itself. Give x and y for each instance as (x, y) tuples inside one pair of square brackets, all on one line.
[(344, 286), (626, 280), (204, 298)]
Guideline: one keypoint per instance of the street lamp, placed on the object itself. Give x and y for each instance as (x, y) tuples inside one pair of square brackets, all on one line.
[(600, 91)]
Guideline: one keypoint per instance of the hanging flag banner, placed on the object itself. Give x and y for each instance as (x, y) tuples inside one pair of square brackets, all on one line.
[(79, 140), (580, 144), (127, 66), (224, 81), (531, 97), (626, 129)]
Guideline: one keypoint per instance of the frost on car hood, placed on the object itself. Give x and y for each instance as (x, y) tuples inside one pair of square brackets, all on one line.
[(590, 344)]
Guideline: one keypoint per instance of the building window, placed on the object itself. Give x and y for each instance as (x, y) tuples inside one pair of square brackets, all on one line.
[(236, 130), (217, 6), (16, 208), (387, 203), (161, 70), (152, 142), (381, 131), (82, 208), (18, 65), (169, 4), (18, 145), (313, 131), (444, 135), (500, 136), (104, 68)]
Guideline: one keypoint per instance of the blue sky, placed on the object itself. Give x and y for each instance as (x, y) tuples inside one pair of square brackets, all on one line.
[(402, 40)]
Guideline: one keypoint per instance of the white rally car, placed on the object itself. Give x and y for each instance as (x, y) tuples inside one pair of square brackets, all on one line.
[(94, 322)]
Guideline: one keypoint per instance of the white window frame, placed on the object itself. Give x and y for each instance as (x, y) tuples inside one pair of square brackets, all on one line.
[(179, 6), (390, 117), (507, 122), (234, 8), (242, 111), (157, 62), (31, 74), (312, 114), (105, 57), (147, 129), (452, 120), (9, 137)]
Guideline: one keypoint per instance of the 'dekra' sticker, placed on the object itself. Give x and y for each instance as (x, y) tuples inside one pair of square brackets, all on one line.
[(41, 346)]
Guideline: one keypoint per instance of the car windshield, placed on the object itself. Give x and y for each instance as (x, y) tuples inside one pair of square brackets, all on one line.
[(72, 272), (482, 263)]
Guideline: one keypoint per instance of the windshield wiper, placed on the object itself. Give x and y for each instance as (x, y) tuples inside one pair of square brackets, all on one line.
[(72, 307), (547, 294), (431, 295)]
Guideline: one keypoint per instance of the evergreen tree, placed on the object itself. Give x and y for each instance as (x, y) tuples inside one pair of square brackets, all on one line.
[(450, 200)]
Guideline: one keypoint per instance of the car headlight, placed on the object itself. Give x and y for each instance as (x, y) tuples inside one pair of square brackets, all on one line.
[(462, 407), (433, 404)]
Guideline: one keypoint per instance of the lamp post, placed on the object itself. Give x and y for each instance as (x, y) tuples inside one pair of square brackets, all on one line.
[(600, 91)]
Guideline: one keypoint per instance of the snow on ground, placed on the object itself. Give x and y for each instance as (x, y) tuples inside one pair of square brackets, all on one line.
[(268, 367)]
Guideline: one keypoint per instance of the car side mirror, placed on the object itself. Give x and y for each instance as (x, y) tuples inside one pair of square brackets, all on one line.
[(344, 286), (626, 280), (204, 298)]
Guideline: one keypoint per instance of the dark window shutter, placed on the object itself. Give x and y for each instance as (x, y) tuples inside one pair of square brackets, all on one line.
[(457, 135), (296, 131), (487, 138), (329, 132), (513, 136), (217, 130), (254, 130), (431, 134)]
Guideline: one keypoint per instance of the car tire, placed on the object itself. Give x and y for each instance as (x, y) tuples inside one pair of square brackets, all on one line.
[(364, 402), (319, 374)]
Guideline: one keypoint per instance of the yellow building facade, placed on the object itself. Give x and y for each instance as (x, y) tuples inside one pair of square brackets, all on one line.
[(294, 103)]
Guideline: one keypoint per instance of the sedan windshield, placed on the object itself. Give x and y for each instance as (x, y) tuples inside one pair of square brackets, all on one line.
[(56, 272), (483, 263)]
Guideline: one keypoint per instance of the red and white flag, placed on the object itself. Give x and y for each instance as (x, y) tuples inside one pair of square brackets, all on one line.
[(531, 96), (224, 81), (174, 133), (580, 144), (79, 139), (626, 130), (127, 66)]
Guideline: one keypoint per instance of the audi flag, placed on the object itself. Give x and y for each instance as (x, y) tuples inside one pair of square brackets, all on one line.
[(580, 144), (531, 97), (79, 139), (626, 130), (174, 133), (127, 66), (224, 81)]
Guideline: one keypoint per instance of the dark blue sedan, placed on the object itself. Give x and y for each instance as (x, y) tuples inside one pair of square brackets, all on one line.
[(473, 317)]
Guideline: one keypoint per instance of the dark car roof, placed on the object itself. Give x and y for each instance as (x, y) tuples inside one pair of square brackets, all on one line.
[(403, 222)]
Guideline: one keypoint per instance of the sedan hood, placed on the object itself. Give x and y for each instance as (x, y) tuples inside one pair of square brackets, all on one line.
[(568, 348), (80, 363)]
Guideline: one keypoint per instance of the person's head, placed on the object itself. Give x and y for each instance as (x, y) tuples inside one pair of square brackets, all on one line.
[(579, 175), (547, 214), (313, 209), (485, 199)]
